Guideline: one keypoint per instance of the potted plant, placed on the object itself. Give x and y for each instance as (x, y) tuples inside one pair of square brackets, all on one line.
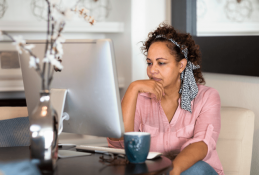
[(43, 120)]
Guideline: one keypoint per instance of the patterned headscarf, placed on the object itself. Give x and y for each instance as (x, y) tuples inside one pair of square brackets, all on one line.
[(189, 88)]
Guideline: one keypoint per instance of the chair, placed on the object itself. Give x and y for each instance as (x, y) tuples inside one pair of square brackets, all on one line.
[(14, 127), (14, 130), (235, 141)]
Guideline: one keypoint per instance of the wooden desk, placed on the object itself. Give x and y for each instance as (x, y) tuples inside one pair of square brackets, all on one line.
[(90, 164)]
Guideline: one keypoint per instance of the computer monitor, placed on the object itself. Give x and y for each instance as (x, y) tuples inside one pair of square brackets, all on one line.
[(89, 75)]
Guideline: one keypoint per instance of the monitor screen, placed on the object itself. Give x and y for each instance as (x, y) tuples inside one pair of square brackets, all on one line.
[(89, 75)]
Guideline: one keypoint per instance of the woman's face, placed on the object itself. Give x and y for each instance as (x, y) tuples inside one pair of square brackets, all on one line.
[(162, 65)]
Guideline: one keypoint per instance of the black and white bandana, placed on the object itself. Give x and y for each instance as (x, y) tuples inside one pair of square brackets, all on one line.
[(189, 88)]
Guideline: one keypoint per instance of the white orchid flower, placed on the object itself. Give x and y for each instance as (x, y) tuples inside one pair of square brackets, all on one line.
[(29, 47), (56, 63), (68, 14), (59, 48), (84, 10), (91, 20), (33, 62), (60, 16), (19, 42), (51, 59), (46, 60), (57, 16), (55, 35), (76, 8), (61, 39)]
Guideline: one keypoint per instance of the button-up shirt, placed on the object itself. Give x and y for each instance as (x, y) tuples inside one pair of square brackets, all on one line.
[(185, 128)]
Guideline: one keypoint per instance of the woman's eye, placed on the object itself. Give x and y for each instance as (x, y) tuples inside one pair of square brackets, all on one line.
[(160, 63), (149, 64)]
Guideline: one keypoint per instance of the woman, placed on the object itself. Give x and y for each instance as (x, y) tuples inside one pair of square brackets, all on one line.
[(181, 114)]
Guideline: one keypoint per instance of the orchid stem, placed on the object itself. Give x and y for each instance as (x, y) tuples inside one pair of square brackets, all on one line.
[(47, 46)]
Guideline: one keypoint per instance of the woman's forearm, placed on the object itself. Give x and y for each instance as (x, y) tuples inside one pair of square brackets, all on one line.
[(188, 157), (128, 107)]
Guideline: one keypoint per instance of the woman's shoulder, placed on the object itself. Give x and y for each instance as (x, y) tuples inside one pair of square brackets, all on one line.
[(206, 92), (206, 89)]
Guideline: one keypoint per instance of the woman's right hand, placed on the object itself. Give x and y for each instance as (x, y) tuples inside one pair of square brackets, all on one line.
[(129, 101), (149, 86)]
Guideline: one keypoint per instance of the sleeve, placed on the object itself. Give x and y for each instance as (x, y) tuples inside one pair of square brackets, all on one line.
[(137, 121), (208, 123)]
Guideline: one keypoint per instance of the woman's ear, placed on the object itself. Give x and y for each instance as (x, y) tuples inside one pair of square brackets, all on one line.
[(183, 64)]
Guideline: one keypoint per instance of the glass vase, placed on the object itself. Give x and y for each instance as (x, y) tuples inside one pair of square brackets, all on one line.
[(44, 134)]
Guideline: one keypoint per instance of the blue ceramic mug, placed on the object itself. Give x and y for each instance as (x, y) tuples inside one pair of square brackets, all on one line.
[(137, 145)]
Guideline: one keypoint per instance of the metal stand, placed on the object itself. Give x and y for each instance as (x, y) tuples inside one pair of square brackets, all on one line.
[(58, 98)]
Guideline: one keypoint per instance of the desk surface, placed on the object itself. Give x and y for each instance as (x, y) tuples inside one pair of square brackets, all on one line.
[(91, 164)]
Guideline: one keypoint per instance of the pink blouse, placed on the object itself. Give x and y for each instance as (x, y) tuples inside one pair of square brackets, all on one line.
[(185, 128)]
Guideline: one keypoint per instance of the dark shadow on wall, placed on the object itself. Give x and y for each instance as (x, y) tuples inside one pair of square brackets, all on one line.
[(237, 55)]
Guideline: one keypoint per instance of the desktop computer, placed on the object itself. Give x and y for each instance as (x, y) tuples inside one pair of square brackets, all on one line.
[(92, 100), (90, 78)]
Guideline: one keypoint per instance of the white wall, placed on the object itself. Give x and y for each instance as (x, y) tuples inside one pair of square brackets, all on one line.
[(121, 11), (146, 15)]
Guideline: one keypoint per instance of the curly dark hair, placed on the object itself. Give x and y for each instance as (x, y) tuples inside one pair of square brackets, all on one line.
[(169, 32)]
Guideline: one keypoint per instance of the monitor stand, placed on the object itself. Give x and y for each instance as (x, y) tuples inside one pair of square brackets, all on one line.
[(58, 98)]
